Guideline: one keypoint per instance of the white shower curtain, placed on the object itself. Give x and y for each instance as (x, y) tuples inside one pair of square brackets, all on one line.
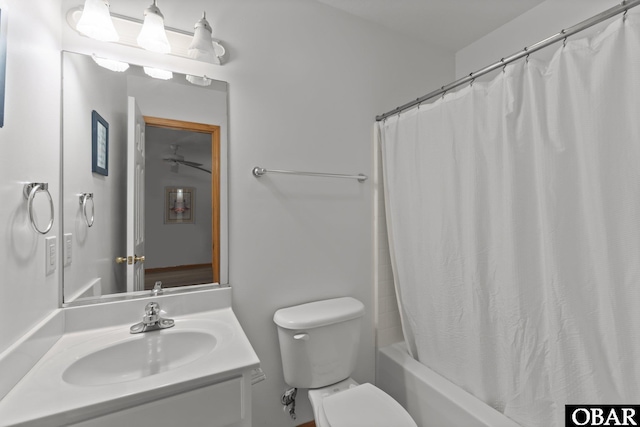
[(513, 210)]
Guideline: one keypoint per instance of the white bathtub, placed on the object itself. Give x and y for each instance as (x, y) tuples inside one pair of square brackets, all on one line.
[(431, 400)]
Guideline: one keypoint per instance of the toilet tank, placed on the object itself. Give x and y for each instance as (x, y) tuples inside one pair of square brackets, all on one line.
[(319, 341)]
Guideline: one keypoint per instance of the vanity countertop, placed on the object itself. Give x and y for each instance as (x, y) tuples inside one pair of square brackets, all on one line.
[(52, 394)]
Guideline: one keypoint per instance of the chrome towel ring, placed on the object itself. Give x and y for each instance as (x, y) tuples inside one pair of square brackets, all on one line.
[(29, 191), (84, 197)]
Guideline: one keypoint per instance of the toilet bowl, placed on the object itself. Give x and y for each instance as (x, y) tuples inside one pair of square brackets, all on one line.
[(319, 345)]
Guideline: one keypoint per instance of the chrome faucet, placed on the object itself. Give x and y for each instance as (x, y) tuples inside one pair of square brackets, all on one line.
[(157, 289), (151, 321)]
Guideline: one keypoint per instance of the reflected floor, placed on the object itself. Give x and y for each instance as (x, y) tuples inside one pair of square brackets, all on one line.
[(181, 275)]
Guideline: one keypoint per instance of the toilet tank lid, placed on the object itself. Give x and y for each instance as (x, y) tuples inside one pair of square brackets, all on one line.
[(319, 313)]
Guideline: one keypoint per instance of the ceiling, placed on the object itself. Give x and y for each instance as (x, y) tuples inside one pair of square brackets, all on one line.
[(446, 24), (194, 146)]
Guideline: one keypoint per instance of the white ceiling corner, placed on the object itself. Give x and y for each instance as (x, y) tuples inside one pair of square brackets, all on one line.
[(446, 24)]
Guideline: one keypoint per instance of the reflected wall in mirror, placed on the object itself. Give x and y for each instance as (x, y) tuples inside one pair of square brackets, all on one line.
[(177, 139)]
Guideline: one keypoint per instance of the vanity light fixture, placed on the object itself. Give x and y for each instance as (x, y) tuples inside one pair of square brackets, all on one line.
[(201, 47), (151, 33), (96, 23), (153, 36), (158, 73), (111, 64)]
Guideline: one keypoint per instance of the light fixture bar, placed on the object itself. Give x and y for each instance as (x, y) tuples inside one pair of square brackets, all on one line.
[(128, 28)]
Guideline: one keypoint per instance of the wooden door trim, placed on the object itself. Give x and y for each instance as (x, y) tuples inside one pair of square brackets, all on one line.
[(214, 131)]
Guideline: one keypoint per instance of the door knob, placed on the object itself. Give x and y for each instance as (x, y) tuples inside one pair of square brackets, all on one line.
[(137, 259), (121, 260)]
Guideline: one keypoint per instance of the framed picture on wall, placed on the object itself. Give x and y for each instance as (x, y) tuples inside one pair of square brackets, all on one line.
[(99, 144), (180, 205), (3, 61)]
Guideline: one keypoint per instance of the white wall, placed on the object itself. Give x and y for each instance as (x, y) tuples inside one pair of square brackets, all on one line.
[(88, 87), (29, 143), (305, 86), (306, 82)]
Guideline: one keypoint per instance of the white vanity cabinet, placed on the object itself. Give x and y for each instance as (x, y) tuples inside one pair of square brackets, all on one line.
[(225, 404)]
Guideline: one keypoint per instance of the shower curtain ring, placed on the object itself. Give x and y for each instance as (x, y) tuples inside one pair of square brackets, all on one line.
[(564, 42), (624, 15)]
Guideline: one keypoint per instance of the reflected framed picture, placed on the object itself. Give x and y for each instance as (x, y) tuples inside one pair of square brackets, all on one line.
[(99, 144), (180, 205), (3, 60)]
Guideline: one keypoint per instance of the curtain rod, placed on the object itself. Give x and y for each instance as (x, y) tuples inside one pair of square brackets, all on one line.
[(562, 35)]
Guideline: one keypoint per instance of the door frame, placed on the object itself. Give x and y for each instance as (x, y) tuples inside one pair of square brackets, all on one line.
[(214, 131)]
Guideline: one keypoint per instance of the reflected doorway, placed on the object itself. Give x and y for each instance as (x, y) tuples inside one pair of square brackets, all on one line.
[(182, 203)]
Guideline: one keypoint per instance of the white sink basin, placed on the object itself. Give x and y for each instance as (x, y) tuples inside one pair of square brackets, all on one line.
[(139, 356), (98, 368)]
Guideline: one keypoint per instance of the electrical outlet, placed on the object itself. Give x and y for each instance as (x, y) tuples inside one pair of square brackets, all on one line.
[(51, 250), (68, 249)]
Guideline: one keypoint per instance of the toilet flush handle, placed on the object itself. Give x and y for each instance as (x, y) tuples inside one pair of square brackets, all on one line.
[(303, 336)]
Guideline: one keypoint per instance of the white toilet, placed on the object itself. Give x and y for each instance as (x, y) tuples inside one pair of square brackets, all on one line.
[(319, 346)]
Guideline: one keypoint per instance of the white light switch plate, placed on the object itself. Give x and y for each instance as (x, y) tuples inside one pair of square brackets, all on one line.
[(51, 250), (68, 249)]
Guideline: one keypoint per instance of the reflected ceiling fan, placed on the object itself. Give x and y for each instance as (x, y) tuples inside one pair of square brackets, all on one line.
[(176, 160)]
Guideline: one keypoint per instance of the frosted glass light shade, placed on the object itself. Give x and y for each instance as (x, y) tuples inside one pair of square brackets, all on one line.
[(96, 23), (152, 35), (111, 64), (199, 81), (201, 47), (158, 73)]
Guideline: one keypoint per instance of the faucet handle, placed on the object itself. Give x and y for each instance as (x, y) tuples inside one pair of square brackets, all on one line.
[(153, 308), (152, 313)]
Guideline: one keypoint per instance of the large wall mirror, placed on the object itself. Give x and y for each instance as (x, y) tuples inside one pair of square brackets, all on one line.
[(144, 181)]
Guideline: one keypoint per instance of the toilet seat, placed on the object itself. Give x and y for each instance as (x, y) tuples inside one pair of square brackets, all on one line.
[(364, 406)]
